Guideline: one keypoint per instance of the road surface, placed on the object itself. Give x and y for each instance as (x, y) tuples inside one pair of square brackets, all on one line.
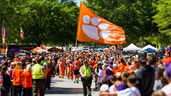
[(65, 87)]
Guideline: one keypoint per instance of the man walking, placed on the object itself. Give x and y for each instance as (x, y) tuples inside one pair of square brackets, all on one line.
[(87, 73), (38, 79)]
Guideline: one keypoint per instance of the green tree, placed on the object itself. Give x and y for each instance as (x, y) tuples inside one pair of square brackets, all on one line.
[(43, 21), (135, 16), (163, 17)]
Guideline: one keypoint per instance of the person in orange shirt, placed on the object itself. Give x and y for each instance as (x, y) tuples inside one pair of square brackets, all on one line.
[(71, 71), (67, 67), (76, 66), (27, 81), (17, 79), (92, 62), (121, 66), (61, 68), (128, 69), (167, 58)]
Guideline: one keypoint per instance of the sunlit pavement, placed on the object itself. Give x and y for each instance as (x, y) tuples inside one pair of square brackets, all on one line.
[(65, 87)]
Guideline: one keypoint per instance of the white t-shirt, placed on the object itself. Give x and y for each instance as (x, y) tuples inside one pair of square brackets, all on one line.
[(133, 91), (112, 89), (167, 89), (104, 88), (99, 72)]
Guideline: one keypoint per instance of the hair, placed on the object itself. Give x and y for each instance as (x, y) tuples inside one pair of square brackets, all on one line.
[(142, 60), (19, 64), (39, 60), (118, 76), (85, 61), (77, 58), (124, 76), (28, 67), (113, 78), (12, 63), (132, 79), (151, 60), (34, 61), (123, 61), (4, 69), (105, 81), (158, 93), (0, 67)]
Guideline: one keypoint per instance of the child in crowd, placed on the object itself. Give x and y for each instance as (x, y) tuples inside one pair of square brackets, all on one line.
[(121, 85), (104, 88), (113, 88), (159, 82), (158, 93), (132, 90)]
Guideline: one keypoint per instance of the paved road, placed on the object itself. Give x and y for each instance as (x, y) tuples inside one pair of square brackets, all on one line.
[(65, 87)]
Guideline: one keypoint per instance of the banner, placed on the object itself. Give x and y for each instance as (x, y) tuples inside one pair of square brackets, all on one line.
[(96, 29)]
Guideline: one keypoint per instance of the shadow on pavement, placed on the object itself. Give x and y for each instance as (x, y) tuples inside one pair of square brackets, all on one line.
[(59, 90)]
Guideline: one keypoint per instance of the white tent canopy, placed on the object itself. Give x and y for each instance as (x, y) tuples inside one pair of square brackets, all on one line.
[(148, 47), (131, 47)]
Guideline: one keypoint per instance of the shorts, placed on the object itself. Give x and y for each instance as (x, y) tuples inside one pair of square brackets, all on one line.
[(76, 72)]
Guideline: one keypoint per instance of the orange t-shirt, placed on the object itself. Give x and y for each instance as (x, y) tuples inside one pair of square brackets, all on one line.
[(166, 60), (27, 82), (128, 69), (120, 68), (92, 63), (76, 65), (17, 76)]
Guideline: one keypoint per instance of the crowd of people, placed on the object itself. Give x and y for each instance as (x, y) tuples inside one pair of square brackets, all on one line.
[(114, 75)]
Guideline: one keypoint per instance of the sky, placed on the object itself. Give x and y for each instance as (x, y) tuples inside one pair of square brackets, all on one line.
[(78, 2)]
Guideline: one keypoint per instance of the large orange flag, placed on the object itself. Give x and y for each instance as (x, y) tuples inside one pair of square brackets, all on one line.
[(96, 29)]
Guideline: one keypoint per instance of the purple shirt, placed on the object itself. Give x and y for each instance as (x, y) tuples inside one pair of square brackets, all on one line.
[(101, 76), (168, 70), (121, 86), (108, 73)]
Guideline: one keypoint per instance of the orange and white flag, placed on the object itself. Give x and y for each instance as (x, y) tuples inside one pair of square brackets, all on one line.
[(96, 29)]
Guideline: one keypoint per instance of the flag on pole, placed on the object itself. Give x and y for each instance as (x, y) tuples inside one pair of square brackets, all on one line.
[(21, 34), (96, 29), (3, 34)]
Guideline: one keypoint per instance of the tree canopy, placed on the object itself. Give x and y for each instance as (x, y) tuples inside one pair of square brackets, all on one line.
[(43, 21), (55, 21)]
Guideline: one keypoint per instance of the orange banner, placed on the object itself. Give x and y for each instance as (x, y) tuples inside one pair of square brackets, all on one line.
[(96, 29)]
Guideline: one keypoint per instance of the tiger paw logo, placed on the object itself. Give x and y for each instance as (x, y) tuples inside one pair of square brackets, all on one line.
[(91, 27)]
